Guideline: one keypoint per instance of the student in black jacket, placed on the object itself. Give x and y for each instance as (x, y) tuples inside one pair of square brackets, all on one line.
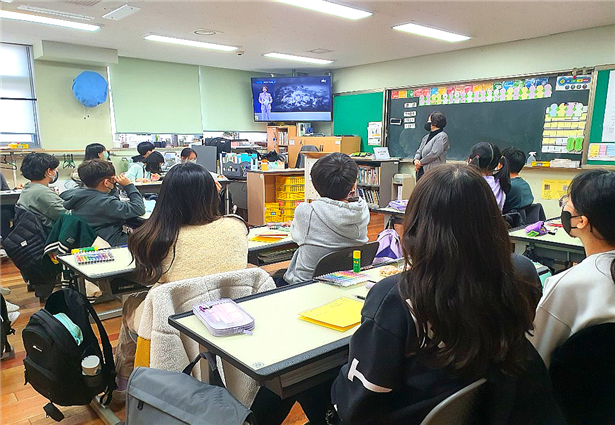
[(461, 313)]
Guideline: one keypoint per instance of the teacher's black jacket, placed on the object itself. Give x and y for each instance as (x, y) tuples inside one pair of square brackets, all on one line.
[(381, 385)]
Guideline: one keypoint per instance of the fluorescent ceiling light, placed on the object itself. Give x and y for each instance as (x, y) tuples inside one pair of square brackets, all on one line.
[(431, 32), (190, 43), (37, 19), (297, 58), (330, 8), (54, 12)]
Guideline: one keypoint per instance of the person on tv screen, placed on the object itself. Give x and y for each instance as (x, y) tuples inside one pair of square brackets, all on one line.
[(265, 99)]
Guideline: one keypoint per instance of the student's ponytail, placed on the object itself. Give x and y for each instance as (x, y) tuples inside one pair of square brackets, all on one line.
[(475, 161), (503, 174)]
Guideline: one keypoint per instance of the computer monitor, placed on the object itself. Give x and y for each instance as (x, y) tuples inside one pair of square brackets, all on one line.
[(207, 156)]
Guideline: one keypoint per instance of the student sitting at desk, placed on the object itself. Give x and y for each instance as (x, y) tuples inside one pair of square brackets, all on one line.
[(520, 195), (188, 155), (329, 223), (184, 238), (148, 170), (105, 212), (487, 157), (92, 151), (37, 197), (584, 295), (461, 313)]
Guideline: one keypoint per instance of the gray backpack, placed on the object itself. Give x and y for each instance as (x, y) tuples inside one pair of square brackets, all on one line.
[(162, 397)]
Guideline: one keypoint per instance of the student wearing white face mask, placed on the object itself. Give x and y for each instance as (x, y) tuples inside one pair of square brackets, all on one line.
[(188, 155), (584, 295), (37, 197)]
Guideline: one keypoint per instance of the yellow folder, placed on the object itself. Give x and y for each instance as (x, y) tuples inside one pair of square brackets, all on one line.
[(341, 314)]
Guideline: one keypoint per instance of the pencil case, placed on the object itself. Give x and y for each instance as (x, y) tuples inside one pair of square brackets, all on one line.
[(224, 317)]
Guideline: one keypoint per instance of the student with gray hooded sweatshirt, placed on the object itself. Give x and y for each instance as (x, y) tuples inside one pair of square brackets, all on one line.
[(103, 211), (331, 222)]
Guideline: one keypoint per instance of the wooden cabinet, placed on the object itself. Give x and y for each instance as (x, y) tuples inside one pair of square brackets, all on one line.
[(278, 138), (344, 144), (261, 190)]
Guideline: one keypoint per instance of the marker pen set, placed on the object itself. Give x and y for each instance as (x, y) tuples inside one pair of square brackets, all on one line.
[(94, 257)]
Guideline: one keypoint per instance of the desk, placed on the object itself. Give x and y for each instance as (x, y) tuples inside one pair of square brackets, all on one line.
[(9, 197), (285, 354), (559, 247), (122, 266), (390, 213), (254, 248)]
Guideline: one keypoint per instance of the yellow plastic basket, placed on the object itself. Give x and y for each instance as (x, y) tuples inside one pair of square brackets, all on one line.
[(286, 204), (288, 196), (291, 188), (290, 180), (288, 217)]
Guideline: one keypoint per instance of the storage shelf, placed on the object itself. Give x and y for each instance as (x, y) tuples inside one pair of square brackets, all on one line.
[(374, 186)]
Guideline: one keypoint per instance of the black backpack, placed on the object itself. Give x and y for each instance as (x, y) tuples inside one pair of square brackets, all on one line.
[(5, 328), (53, 358)]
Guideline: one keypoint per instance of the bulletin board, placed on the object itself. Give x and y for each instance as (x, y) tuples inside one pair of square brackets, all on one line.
[(545, 114), (352, 113), (601, 147)]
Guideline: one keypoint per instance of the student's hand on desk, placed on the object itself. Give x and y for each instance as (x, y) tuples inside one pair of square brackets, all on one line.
[(122, 180), (19, 186), (155, 177), (143, 180), (417, 164)]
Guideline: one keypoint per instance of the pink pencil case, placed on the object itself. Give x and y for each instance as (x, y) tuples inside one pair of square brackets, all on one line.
[(224, 317)]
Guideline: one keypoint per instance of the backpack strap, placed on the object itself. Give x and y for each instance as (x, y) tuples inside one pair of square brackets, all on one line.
[(107, 353), (214, 377)]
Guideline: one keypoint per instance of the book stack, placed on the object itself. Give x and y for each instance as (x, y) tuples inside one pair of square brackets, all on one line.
[(369, 175), (371, 196)]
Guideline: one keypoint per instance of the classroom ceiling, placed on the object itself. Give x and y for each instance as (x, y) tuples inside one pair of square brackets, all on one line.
[(258, 27)]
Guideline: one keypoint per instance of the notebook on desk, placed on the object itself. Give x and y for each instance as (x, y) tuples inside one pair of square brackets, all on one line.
[(341, 314)]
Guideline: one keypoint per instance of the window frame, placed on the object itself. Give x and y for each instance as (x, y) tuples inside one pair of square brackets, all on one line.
[(36, 140)]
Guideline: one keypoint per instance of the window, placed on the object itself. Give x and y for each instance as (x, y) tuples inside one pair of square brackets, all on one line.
[(18, 123)]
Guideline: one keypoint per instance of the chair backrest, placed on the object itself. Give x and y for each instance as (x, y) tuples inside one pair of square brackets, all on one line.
[(342, 259), (534, 213), (583, 375), (300, 163), (460, 408)]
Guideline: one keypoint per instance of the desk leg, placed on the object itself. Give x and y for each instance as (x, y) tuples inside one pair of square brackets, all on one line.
[(520, 247), (104, 315), (104, 413)]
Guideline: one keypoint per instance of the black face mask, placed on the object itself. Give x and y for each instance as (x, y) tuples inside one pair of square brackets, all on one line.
[(427, 126), (566, 217)]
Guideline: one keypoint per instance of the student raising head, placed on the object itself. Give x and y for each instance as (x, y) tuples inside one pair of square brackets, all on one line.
[(520, 194), (330, 222), (585, 294), (96, 151), (100, 208), (487, 157), (185, 236), (460, 313), (144, 149), (188, 154), (42, 170)]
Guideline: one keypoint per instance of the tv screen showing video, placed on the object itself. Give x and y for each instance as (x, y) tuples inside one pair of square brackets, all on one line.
[(292, 99)]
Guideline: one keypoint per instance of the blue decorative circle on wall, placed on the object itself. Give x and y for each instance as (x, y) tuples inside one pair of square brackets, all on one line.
[(90, 88)]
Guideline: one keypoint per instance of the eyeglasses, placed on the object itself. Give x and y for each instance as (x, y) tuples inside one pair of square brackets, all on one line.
[(563, 201)]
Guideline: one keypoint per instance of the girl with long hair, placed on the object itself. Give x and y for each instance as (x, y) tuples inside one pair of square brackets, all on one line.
[(460, 313)]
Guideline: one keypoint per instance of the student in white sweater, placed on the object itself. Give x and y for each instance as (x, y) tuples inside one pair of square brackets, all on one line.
[(584, 295)]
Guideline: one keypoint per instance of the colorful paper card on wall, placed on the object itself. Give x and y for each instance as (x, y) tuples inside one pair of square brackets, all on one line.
[(555, 189), (569, 82), (403, 94)]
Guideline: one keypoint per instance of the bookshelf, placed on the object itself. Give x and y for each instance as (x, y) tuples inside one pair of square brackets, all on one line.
[(375, 180), (278, 137)]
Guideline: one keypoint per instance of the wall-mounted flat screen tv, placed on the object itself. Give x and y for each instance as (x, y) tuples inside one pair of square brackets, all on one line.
[(298, 99)]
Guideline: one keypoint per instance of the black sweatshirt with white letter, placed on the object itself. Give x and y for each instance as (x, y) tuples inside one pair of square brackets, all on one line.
[(382, 385)]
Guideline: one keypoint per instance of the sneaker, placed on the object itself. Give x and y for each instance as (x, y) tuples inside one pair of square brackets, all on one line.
[(4, 291), (13, 316), (10, 307), (3, 253)]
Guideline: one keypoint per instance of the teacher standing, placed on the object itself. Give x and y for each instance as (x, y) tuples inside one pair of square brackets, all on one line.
[(432, 151)]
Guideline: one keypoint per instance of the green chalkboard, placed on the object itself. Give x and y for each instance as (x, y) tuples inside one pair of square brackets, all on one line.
[(595, 132), (517, 123), (353, 112)]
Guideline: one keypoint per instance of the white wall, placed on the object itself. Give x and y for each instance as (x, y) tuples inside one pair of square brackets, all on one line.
[(595, 46)]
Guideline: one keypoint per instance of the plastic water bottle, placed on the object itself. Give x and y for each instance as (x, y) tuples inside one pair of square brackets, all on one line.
[(531, 159)]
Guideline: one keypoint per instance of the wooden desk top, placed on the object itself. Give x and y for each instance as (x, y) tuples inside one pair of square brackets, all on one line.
[(122, 265), (560, 238)]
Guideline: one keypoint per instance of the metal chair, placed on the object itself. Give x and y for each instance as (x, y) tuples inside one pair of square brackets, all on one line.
[(583, 375), (460, 408), (342, 259), (300, 163)]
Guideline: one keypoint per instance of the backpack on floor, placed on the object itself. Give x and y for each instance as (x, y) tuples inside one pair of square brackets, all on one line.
[(389, 247), (5, 328), (153, 398), (53, 358)]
